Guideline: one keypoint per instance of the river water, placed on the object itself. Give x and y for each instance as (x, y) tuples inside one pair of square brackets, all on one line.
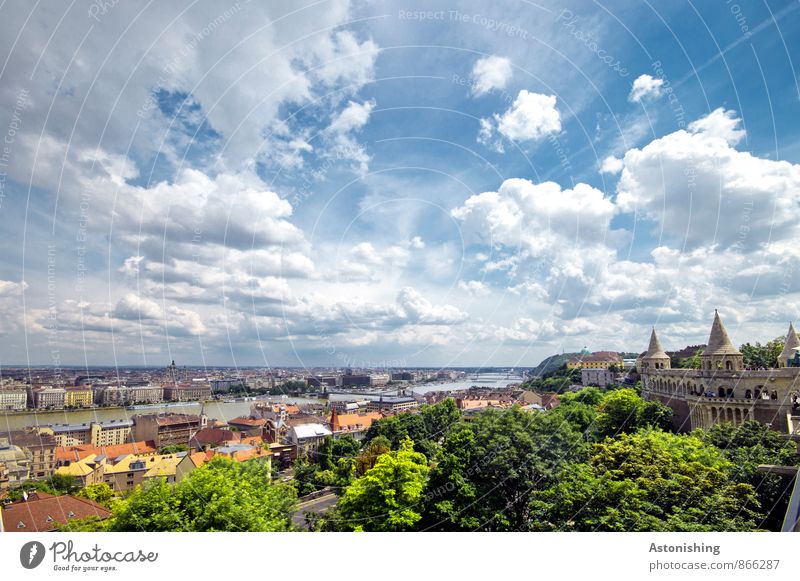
[(225, 410)]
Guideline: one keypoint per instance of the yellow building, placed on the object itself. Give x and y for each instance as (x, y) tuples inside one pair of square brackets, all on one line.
[(86, 471), (78, 397), (596, 360), (132, 470)]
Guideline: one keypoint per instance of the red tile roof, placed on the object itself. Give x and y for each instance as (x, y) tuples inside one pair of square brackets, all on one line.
[(44, 512), (245, 421), (75, 453)]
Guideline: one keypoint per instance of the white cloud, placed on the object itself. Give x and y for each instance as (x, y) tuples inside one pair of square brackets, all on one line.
[(702, 192), (352, 117), (474, 287), (490, 73), (611, 165), (530, 117), (645, 87)]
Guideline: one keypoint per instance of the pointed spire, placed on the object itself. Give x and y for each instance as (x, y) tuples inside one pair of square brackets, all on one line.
[(655, 349), (791, 344), (719, 343)]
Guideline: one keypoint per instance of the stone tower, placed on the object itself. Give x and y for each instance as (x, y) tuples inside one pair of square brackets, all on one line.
[(789, 348), (720, 354), (656, 357)]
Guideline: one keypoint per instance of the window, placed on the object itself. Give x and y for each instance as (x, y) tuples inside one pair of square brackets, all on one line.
[(20, 525)]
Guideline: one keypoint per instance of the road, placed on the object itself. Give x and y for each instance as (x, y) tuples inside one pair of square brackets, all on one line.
[(320, 505)]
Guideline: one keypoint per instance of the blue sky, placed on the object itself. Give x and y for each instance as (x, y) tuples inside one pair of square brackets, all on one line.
[(394, 183)]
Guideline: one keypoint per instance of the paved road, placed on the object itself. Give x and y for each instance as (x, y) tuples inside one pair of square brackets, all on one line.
[(320, 505)]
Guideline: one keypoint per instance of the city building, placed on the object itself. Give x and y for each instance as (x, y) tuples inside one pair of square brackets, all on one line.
[(41, 512), (308, 437), (596, 360), (349, 380), (86, 471), (248, 426), (206, 437), (355, 425), (44, 397), (78, 396), (167, 429), (40, 448), (68, 454), (113, 395), (225, 385), (195, 390), (132, 470), (13, 398), (722, 390), (600, 377), (392, 404), (107, 433), (17, 463), (318, 381)]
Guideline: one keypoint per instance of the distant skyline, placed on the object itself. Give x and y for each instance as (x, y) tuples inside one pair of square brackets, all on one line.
[(393, 184)]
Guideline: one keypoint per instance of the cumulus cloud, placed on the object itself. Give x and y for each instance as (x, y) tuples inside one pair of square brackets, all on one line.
[(611, 165), (530, 117), (490, 73), (645, 87), (701, 191)]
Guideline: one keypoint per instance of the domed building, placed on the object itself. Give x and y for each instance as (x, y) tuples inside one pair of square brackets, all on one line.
[(722, 390)]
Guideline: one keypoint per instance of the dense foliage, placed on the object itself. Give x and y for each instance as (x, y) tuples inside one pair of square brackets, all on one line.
[(759, 356), (603, 460), (221, 496)]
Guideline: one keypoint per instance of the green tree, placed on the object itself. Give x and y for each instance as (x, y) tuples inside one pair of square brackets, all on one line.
[(374, 449), (648, 481), (439, 419), (489, 466), (389, 496), (749, 445), (623, 411), (758, 355), (222, 495), (101, 493), (305, 476)]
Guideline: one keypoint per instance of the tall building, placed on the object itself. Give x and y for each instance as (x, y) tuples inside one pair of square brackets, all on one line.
[(13, 398), (78, 396), (106, 433), (167, 429), (722, 390), (47, 397)]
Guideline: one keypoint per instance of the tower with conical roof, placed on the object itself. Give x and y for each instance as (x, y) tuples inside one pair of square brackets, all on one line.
[(790, 347), (721, 353), (656, 357)]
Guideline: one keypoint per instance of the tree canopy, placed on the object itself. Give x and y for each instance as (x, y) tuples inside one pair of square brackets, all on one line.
[(489, 467), (388, 497), (222, 495), (648, 481)]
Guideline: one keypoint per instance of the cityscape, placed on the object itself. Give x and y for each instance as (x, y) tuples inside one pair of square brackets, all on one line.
[(400, 266), (321, 433)]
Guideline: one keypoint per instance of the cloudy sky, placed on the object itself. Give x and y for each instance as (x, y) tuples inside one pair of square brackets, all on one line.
[(361, 183)]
